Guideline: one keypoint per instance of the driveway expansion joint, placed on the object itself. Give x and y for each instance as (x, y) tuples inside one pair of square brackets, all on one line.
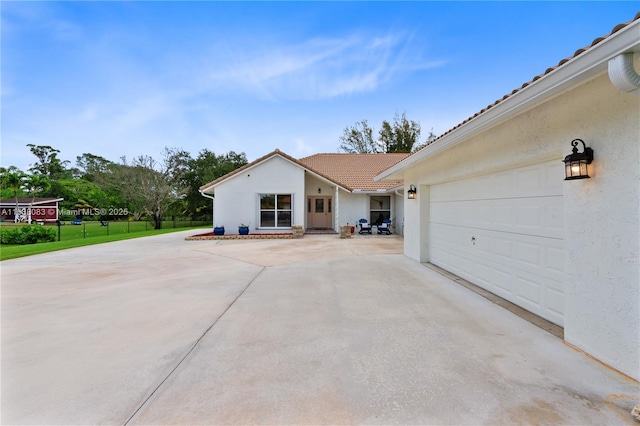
[(191, 349)]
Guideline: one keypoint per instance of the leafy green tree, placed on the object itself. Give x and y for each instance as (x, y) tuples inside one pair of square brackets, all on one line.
[(400, 136), (89, 165), (358, 139), (48, 163), (206, 167), (80, 192)]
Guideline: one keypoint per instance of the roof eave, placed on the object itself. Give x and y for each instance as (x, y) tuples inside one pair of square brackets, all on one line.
[(207, 188), (376, 191)]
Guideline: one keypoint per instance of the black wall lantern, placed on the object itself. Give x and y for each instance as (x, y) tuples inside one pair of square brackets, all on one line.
[(575, 164), (411, 193)]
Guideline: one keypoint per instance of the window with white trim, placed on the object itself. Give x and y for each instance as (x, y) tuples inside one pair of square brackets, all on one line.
[(275, 210)]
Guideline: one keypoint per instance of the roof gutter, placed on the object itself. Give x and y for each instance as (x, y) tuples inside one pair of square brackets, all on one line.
[(576, 70), (204, 194), (372, 191)]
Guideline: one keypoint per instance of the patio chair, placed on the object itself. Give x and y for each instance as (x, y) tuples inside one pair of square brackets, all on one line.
[(364, 226), (385, 227)]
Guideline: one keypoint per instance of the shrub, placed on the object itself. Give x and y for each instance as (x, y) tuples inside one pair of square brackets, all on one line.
[(28, 234)]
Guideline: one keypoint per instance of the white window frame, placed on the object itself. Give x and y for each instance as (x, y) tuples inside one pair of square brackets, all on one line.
[(275, 210)]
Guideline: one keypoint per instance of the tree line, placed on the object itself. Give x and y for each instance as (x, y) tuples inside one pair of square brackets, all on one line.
[(401, 135), (144, 186), (168, 185)]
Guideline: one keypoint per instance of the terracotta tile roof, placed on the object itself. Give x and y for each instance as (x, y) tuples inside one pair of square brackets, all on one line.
[(350, 171), (355, 171), (539, 76)]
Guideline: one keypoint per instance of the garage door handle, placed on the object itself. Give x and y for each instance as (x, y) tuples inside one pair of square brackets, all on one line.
[(473, 240)]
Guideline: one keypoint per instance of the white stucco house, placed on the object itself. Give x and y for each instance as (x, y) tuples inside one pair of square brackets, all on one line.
[(493, 206), (323, 191)]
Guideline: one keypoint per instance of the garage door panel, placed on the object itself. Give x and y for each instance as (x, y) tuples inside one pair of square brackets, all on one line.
[(554, 218), (484, 273), (448, 249), (538, 216), (528, 253), (506, 236), (502, 247), (528, 217), (533, 181), (554, 261), (528, 291), (554, 302), (504, 283)]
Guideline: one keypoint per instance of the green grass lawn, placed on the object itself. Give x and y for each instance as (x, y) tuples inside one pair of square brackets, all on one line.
[(91, 233), (94, 229)]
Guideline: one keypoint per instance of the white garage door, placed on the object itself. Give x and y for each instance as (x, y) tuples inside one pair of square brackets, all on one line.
[(503, 232)]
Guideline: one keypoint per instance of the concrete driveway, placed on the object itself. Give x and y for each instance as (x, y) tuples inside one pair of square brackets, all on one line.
[(160, 330)]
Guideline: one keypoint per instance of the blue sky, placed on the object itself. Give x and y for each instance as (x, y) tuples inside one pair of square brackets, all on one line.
[(129, 78)]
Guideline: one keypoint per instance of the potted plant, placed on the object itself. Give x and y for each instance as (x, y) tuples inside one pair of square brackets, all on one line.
[(218, 230), (243, 229)]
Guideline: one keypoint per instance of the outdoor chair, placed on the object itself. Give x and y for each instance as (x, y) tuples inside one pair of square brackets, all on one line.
[(364, 226), (385, 227)]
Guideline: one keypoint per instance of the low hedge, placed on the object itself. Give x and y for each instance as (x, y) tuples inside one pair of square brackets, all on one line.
[(28, 234)]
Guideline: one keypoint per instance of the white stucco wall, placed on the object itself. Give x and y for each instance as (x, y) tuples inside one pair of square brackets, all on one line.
[(602, 230), (237, 199), (356, 206), (351, 206), (398, 213), (601, 214), (416, 217)]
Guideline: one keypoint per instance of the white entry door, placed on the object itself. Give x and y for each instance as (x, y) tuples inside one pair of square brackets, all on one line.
[(504, 233)]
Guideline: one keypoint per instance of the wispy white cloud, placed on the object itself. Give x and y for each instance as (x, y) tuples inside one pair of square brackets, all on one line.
[(40, 17), (321, 67)]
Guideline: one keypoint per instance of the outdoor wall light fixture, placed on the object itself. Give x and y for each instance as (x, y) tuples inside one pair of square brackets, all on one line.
[(411, 193), (575, 164), (319, 190)]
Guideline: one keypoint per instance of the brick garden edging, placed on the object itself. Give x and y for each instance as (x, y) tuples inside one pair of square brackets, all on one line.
[(297, 232), (241, 237)]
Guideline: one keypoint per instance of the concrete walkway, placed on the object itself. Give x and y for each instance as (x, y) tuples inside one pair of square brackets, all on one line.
[(159, 330)]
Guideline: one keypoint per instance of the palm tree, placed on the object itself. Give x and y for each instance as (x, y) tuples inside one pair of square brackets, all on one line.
[(15, 181)]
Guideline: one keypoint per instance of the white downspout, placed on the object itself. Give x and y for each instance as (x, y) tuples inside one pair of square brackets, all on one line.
[(213, 222), (623, 75), (336, 225)]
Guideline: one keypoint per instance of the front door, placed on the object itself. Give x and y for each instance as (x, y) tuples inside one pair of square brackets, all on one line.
[(319, 212)]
